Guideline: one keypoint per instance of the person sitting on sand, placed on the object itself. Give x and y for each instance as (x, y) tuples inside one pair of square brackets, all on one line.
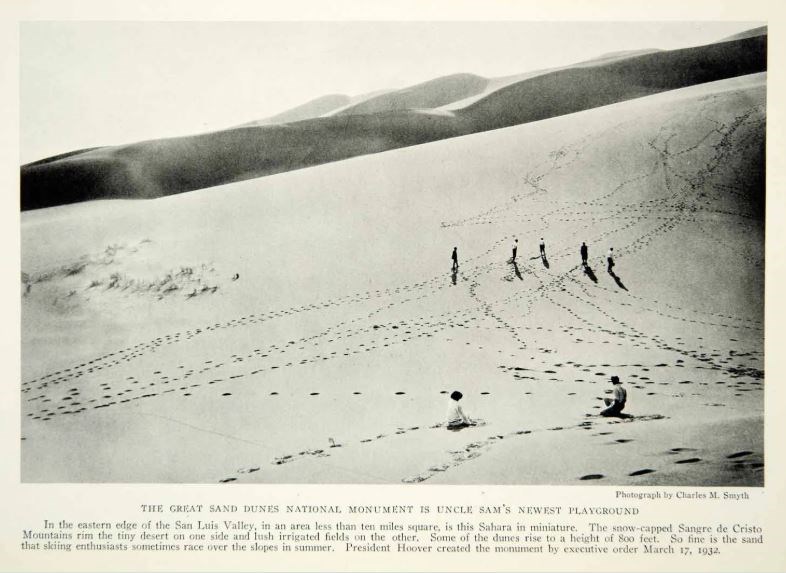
[(457, 419), (615, 405)]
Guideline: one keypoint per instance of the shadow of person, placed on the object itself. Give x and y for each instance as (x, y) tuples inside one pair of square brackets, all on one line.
[(454, 275), (545, 261), (516, 270), (620, 415), (617, 280), (589, 272)]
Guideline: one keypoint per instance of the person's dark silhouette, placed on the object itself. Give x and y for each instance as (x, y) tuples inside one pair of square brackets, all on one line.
[(610, 259), (542, 248), (515, 248), (616, 404), (584, 253), (455, 257)]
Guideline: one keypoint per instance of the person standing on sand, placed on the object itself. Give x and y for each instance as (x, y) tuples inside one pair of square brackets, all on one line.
[(610, 258), (455, 258), (542, 248), (515, 248), (615, 405), (584, 253), (457, 419)]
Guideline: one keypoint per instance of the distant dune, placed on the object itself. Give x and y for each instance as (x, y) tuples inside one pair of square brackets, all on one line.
[(576, 89), (169, 166), (308, 110), (760, 31), (431, 94)]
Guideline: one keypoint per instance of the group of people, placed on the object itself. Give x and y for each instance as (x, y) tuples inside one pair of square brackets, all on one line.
[(458, 420), (583, 250)]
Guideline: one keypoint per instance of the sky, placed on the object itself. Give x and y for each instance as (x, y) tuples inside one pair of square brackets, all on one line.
[(88, 84)]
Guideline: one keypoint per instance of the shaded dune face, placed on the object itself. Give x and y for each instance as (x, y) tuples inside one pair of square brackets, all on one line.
[(169, 166)]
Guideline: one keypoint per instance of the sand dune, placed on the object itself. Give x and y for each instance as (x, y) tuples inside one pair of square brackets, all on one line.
[(334, 301), (430, 94), (169, 166), (314, 108), (580, 88), (760, 31)]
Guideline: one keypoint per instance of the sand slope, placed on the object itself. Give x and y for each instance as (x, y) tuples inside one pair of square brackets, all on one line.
[(144, 361), (169, 166)]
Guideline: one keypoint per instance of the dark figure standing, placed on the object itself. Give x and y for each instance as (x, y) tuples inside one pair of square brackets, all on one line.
[(455, 258), (542, 248), (610, 258), (515, 248), (584, 254), (615, 405)]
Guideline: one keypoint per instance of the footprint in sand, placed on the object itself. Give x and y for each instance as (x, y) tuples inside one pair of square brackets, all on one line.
[(440, 468), (592, 476), (641, 472), (678, 450)]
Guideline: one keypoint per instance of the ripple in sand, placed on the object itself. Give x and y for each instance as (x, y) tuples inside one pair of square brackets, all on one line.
[(592, 476), (738, 454), (688, 461)]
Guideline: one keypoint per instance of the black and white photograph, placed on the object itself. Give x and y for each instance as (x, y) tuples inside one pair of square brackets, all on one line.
[(392, 252)]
